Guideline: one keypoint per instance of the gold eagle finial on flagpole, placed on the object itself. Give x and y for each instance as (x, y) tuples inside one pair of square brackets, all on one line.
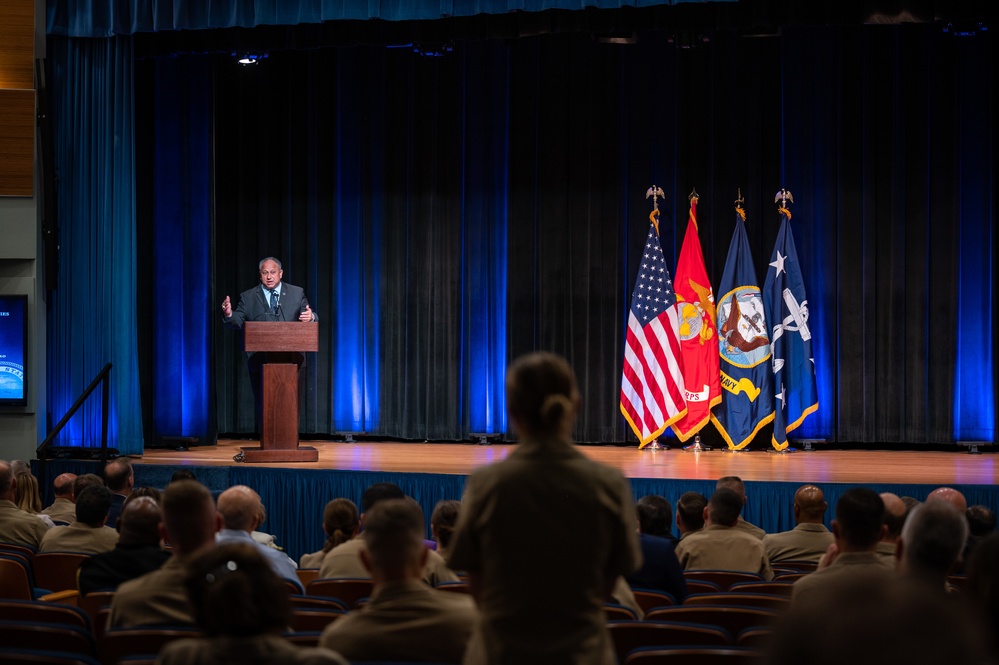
[(783, 196), (738, 204), (655, 192)]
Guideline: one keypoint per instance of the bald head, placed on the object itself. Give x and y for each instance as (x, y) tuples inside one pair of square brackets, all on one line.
[(895, 512), (62, 486), (951, 496), (809, 505), (139, 522), (240, 508)]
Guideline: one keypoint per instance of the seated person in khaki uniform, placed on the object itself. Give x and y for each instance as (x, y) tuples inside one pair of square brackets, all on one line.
[(88, 533), (810, 538), (404, 619)]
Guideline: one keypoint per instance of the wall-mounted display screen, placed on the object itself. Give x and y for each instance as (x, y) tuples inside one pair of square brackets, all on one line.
[(13, 350)]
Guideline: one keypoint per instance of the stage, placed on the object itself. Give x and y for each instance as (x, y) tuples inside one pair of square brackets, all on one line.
[(295, 493)]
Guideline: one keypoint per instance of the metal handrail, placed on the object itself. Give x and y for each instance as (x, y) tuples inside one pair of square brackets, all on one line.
[(102, 378)]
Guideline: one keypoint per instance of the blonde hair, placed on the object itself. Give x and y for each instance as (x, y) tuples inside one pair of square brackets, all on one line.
[(26, 495)]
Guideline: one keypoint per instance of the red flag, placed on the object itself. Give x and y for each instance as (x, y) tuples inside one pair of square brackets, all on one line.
[(652, 379), (695, 305)]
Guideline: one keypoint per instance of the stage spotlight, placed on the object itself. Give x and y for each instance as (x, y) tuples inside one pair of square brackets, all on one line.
[(248, 58)]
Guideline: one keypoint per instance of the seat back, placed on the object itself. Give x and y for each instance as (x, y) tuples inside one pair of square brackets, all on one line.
[(14, 583), (43, 612), (454, 587), (754, 637), (649, 599), (615, 612), (777, 588), (308, 638), (789, 577), (11, 656), (766, 601), (299, 601), (701, 586), (306, 575), (35, 635), (631, 635), (695, 656), (97, 605), (117, 643), (731, 618), (349, 590), (56, 571), (723, 578), (313, 619)]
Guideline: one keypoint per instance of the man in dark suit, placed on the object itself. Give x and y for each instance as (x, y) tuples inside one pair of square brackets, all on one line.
[(271, 300)]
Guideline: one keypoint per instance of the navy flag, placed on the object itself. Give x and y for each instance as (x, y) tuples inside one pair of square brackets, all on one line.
[(786, 307), (744, 346)]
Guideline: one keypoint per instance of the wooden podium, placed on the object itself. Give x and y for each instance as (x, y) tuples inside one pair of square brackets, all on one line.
[(281, 340)]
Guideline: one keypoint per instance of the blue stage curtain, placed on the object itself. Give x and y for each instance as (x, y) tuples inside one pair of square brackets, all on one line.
[(104, 18), (93, 309), (175, 195)]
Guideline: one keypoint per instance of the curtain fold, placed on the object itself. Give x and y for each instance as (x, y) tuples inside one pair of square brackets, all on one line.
[(94, 309)]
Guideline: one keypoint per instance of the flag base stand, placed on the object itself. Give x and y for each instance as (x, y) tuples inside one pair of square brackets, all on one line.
[(654, 446), (806, 444), (786, 451), (696, 446), (735, 450)]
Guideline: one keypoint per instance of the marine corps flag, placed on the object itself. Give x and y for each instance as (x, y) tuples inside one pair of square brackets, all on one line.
[(743, 347), (695, 304), (652, 378), (786, 307)]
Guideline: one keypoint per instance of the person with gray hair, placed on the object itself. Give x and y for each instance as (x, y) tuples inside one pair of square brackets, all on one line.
[(931, 542), (405, 620)]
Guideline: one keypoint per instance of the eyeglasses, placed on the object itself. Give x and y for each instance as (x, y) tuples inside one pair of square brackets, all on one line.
[(265, 273)]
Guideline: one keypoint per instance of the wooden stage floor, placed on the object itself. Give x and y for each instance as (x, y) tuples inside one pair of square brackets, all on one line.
[(825, 466)]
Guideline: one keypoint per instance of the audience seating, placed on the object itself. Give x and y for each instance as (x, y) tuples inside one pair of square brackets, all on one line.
[(56, 571), (299, 601), (44, 612), (799, 566), (732, 618), (23, 550), (695, 656), (10, 656), (14, 581), (777, 588), (306, 575), (701, 586), (617, 612), (454, 587), (754, 637), (349, 590), (788, 577), (723, 578), (649, 599), (762, 600), (631, 635), (44, 636), (957, 581), (117, 643), (313, 618)]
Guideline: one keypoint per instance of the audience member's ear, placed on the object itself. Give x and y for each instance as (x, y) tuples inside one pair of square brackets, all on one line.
[(883, 531), (706, 515), (899, 547), (163, 533), (219, 523), (424, 555), (834, 527)]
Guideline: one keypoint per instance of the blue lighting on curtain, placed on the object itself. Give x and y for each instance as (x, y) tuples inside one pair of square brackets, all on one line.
[(93, 309), (484, 230), (356, 285), (182, 353), (974, 387)]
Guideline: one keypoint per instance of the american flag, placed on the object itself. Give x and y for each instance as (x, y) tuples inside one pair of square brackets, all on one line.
[(652, 379)]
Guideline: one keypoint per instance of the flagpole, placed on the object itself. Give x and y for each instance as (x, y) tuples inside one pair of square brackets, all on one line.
[(741, 211), (781, 199), (655, 192), (696, 446)]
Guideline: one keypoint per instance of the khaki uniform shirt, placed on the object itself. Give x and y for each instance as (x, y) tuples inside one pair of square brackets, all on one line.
[(805, 542), (19, 527), (62, 510), (246, 650), (887, 552), (79, 537), (545, 533), (847, 568), (344, 560), (718, 547), (751, 529), (405, 621), (156, 598)]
